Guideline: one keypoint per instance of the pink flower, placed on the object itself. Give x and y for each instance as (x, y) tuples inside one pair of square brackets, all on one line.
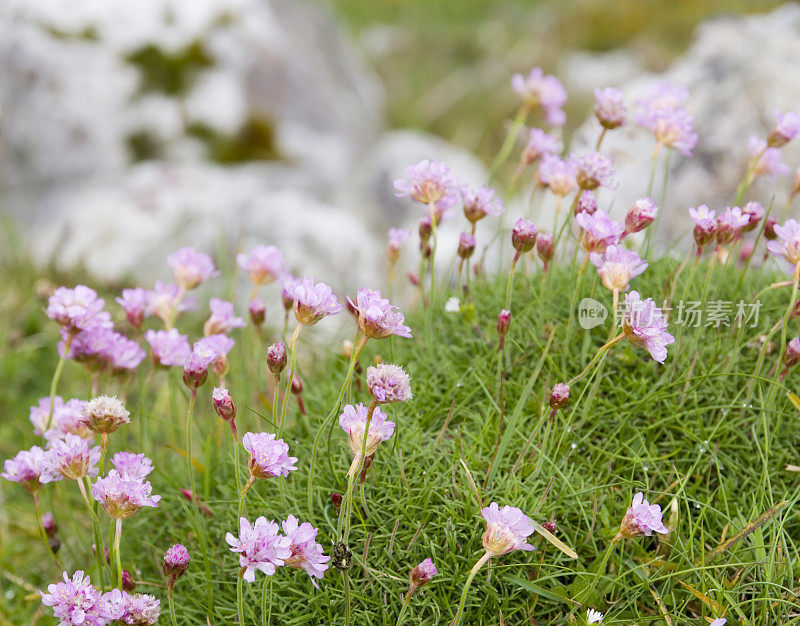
[(260, 547), (77, 309), (104, 414), (307, 554), (523, 235), (312, 301), (353, 421), (257, 310), (263, 264), (538, 89), (705, 225), (788, 243), (769, 159), (599, 231), (506, 529), (40, 413), (587, 203), (466, 245), (123, 355), (176, 561), (222, 319), (643, 212), (617, 266), (75, 601), (787, 125), (593, 170), (26, 468), (136, 303), (422, 574), (540, 143), (195, 367), (168, 347), (388, 383), (167, 300), (397, 237), (645, 326), (269, 457), (430, 183), (642, 519), (377, 317), (122, 497), (729, 224), (558, 175), (132, 466), (191, 267), (609, 107), (140, 608), (663, 114), (480, 202), (755, 213), (71, 458)]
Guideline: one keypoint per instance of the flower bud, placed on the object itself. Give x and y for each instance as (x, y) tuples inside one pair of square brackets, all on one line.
[(587, 203), (195, 370), (297, 385), (49, 524), (421, 574), (791, 354), (223, 404), (503, 324), (550, 527), (755, 212), (128, 583), (769, 229), (425, 230), (425, 249), (336, 500), (523, 237), (545, 247), (466, 245), (176, 561), (413, 279), (640, 215), (258, 311), (287, 299), (276, 357), (559, 396), (703, 236)]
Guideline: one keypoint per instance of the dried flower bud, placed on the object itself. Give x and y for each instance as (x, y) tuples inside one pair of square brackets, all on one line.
[(104, 414), (276, 357), (769, 229), (258, 311), (425, 229), (421, 574), (523, 236), (466, 245), (223, 404), (559, 396), (336, 500), (128, 583), (550, 527), (545, 247)]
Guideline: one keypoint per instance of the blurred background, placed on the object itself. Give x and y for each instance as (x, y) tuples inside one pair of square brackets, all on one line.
[(128, 129)]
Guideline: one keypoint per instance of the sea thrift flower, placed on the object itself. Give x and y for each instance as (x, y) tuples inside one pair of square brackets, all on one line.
[(791, 356), (141, 609), (466, 245), (480, 202), (609, 107), (593, 617), (167, 347), (132, 466), (104, 414), (558, 175), (195, 369), (377, 317), (523, 236), (787, 125), (593, 170), (77, 309), (263, 264), (664, 116), (642, 519), (388, 383), (222, 319), (260, 547), (397, 237), (123, 355), (49, 524), (769, 159), (506, 529), (645, 326), (176, 561), (769, 229), (269, 457), (617, 266), (26, 468), (191, 267), (538, 89), (258, 311), (276, 357), (40, 413), (705, 225), (307, 554), (216, 348), (431, 183), (167, 300), (223, 404), (729, 224), (136, 304), (559, 396), (122, 497), (421, 574), (640, 215), (71, 458), (720, 621), (545, 248), (587, 203), (75, 601), (539, 144), (599, 231), (312, 301), (453, 305), (353, 421), (503, 324), (754, 212)]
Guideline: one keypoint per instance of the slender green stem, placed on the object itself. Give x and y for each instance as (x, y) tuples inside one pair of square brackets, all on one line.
[(288, 391), (356, 467), (457, 619), (601, 569), (239, 599), (266, 617), (510, 140), (170, 594), (42, 530), (237, 463), (434, 228), (600, 352), (786, 317), (600, 139), (748, 177), (653, 163), (56, 377), (511, 280), (98, 541), (117, 542), (404, 609), (346, 577)]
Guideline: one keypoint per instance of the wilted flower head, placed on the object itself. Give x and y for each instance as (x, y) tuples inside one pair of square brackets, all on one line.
[(131, 466), (559, 396), (263, 264), (640, 215), (466, 245), (641, 519), (787, 125), (168, 347), (480, 202), (104, 414), (26, 468), (77, 309), (269, 457), (176, 561), (167, 300), (593, 617), (377, 317), (729, 224), (312, 301), (506, 529), (769, 159), (539, 144), (587, 203), (599, 231), (191, 267), (136, 304), (540, 89), (558, 175), (222, 319), (645, 326), (396, 238), (122, 497), (593, 170), (431, 183), (307, 554), (422, 574), (71, 458), (617, 266), (523, 236), (223, 404), (754, 212), (609, 107), (75, 601), (705, 225), (388, 383), (353, 421), (260, 547)]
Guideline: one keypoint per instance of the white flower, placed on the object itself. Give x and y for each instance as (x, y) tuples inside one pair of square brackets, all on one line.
[(452, 305), (593, 617)]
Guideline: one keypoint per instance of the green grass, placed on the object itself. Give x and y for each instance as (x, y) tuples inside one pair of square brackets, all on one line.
[(689, 434)]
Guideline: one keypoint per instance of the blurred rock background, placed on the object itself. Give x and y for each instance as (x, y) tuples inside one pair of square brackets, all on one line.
[(128, 129)]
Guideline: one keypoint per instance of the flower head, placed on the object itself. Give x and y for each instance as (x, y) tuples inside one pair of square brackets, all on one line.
[(609, 107), (222, 319), (787, 125), (480, 202), (545, 248), (593, 617), (705, 225), (430, 183), (599, 231), (787, 244), (617, 266), (377, 317), (257, 310), (397, 237), (223, 404), (641, 519), (167, 300), (168, 347), (422, 574), (755, 213), (121, 496), (195, 368), (663, 114), (140, 608), (388, 383), (263, 264), (276, 357), (593, 170), (645, 326), (643, 212), (523, 236), (136, 304), (260, 547), (176, 561), (26, 468), (269, 457), (539, 144), (67, 418), (353, 421), (506, 529), (77, 309), (466, 245), (191, 267), (559, 396), (104, 414), (132, 466), (769, 159), (75, 601), (71, 458), (312, 301), (538, 89), (307, 554), (557, 174), (729, 224), (587, 203)]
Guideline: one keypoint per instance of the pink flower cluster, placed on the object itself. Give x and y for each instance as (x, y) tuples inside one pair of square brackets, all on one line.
[(123, 495), (538, 89), (506, 529)]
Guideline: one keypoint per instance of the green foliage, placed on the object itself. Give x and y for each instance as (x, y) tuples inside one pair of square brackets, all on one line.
[(254, 141), (170, 73)]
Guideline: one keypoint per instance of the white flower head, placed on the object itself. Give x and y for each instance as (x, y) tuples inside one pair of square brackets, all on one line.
[(453, 305), (593, 617)]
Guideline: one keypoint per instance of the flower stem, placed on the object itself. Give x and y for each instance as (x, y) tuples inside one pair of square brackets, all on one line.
[(239, 599), (511, 280), (404, 610), (98, 542), (170, 594), (266, 618), (600, 352), (288, 392), (355, 469), (510, 140), (56, 377), (432, 210), (457, 619), (117, 541), (42, 529)]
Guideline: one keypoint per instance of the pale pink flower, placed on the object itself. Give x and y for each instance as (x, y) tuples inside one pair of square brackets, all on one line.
[(617, 266), (75, 601), (430, 183), (222, 319), (136, 304), (353, 421), (388, 383), (599, 231), (643, 212), (26, 468), (788, 243), (422, 574), (729, 224), (769, 159), (609, 107), (593, 170), (538, 89), (312, 301), (307, 554), (705, 225), (269, 457), (260, 547), (645, 326), (77, 309), (539, 144), (263, 264), (104, 414), (506, 529), (479, 202), (168, 347), (71, 458), (642, 519), (191, 267), (377, 317), (167, 300), (787, 125), (122, 497), (132, 466), (558, 175), (176, 561)]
